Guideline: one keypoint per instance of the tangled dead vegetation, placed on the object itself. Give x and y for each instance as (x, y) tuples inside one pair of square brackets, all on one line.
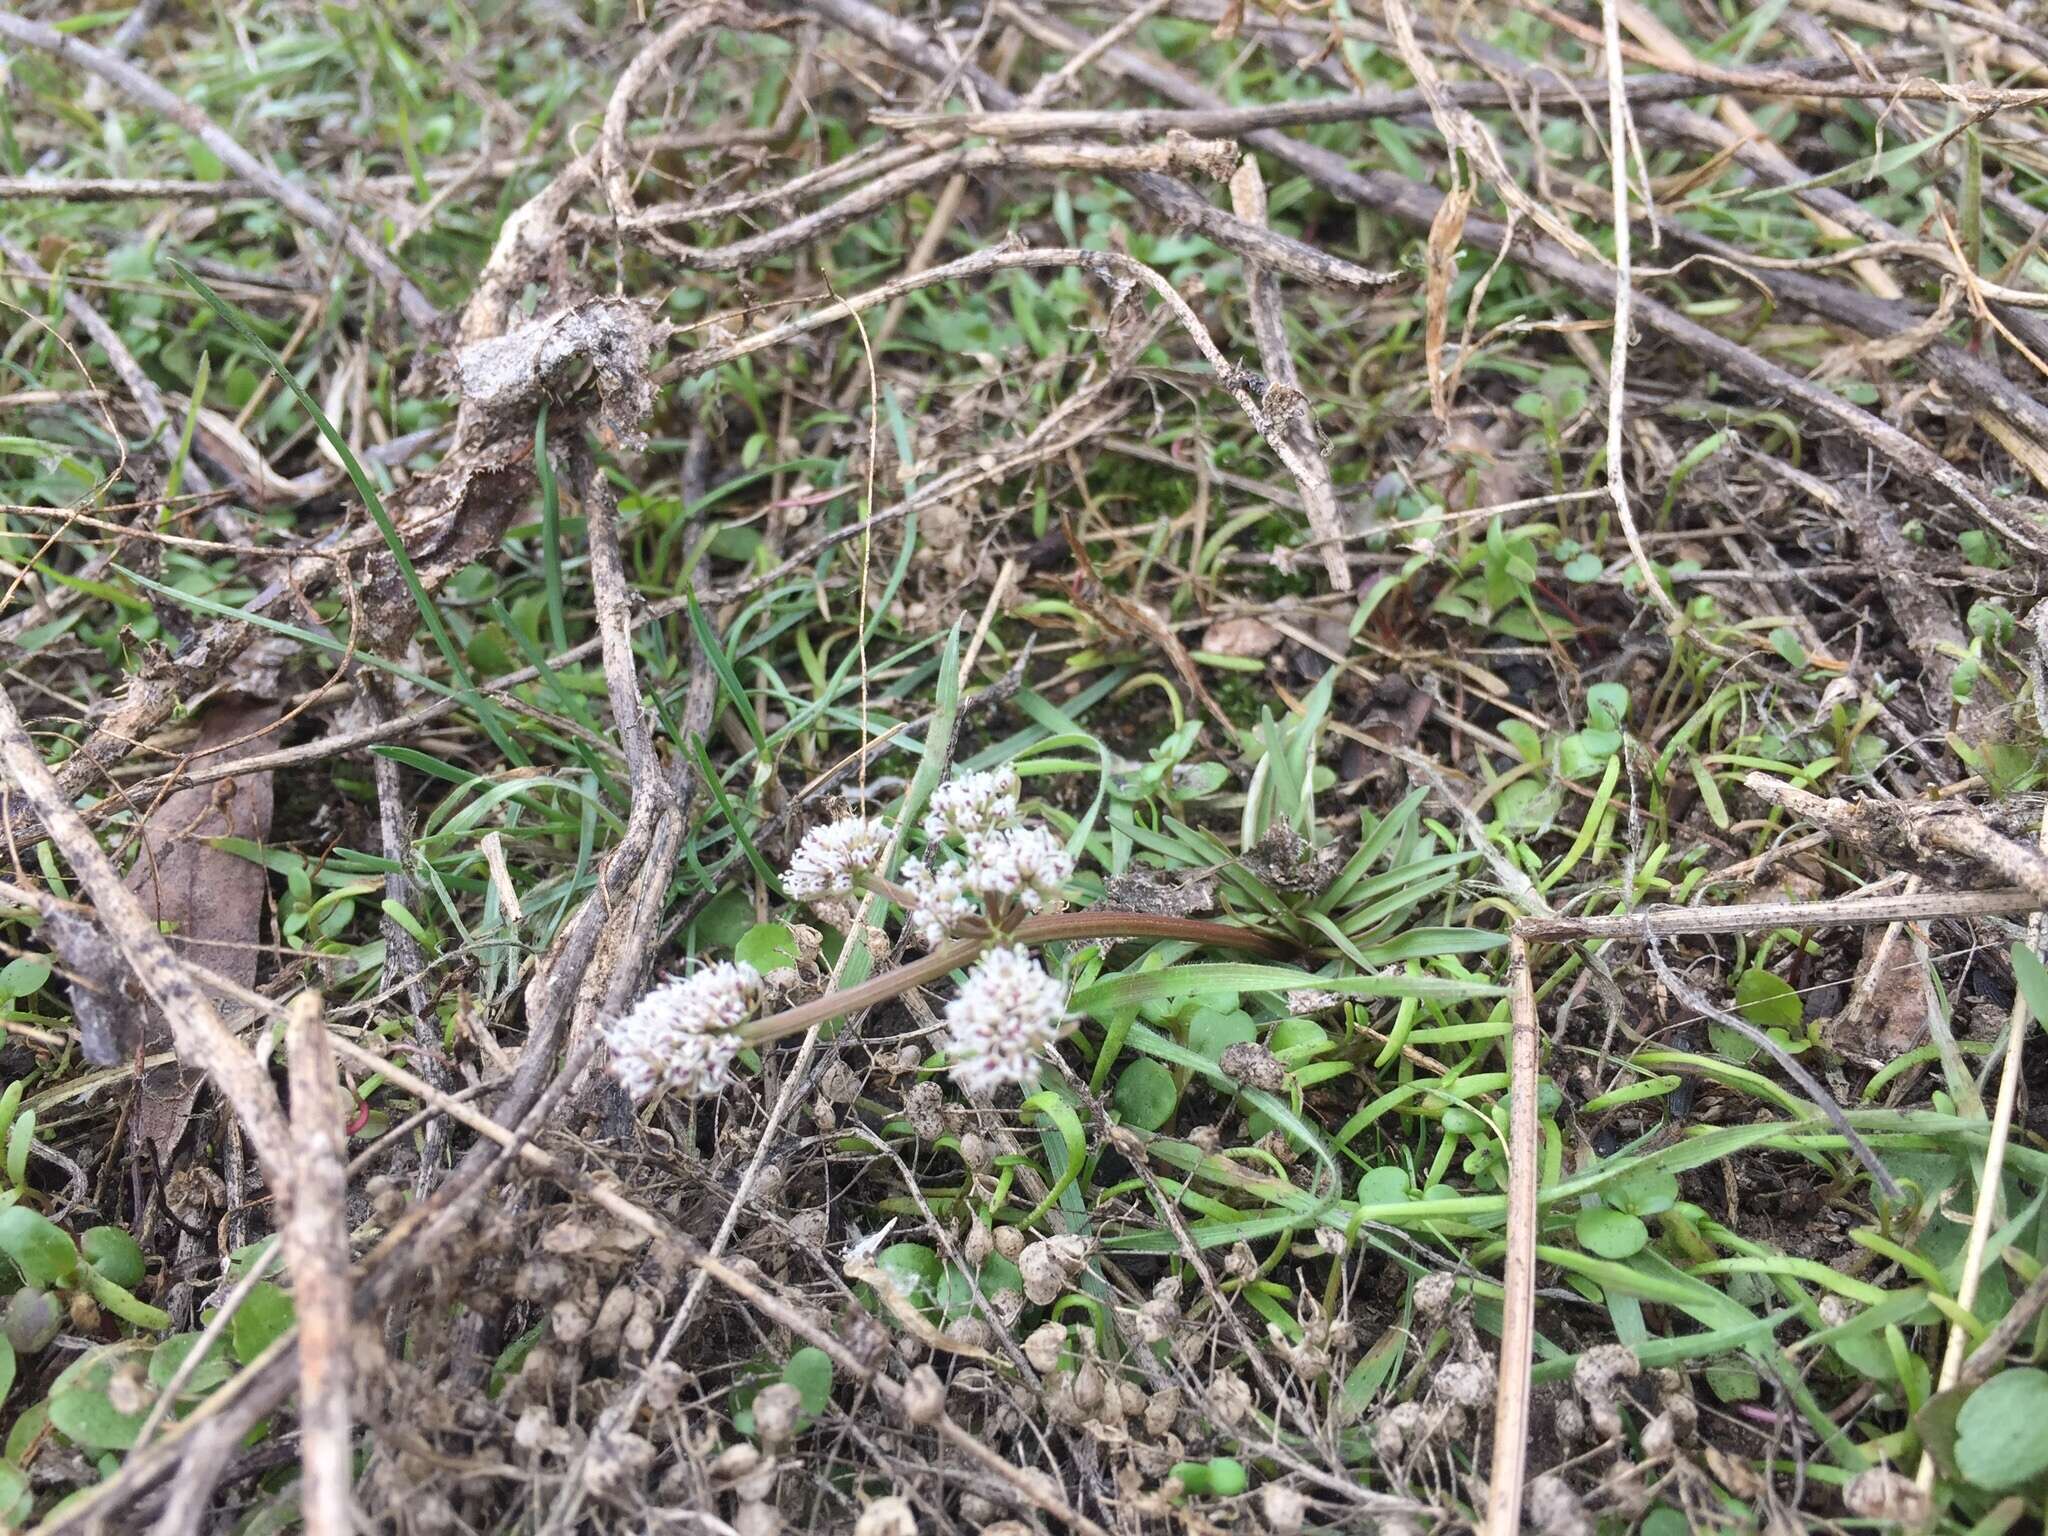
[(1427, 564)]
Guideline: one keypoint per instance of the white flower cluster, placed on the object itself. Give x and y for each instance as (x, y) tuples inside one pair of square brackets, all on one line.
[(1027, 865), (939, 902), (998, 861), (1006, 1015), (681, 1034), (831, 857), (973, 805)]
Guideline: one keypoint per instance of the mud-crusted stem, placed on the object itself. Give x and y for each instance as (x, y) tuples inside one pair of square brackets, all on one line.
[(1050, 928)]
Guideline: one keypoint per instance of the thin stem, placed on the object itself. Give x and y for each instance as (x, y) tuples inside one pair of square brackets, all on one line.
[(1050, 928)]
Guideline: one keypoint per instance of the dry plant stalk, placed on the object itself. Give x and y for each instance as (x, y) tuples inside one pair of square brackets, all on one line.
[(1914, 835), (316, 1243), (1518, 1274)]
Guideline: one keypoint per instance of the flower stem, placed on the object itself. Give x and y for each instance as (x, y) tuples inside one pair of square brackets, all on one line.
[(1048, 928)]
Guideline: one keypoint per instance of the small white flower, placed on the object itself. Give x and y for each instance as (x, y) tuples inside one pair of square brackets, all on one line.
[(1027, 865), (973, 805), (939, 900), (830, 857), (681, 1034), (1007, 1013)]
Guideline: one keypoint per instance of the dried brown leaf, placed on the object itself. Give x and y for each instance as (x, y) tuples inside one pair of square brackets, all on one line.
[(209, 900)]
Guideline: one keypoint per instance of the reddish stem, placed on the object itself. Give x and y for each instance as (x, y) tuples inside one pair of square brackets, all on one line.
[(1048, 928)]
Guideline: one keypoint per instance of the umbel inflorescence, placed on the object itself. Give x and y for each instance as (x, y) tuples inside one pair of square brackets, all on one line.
[(984, 873)]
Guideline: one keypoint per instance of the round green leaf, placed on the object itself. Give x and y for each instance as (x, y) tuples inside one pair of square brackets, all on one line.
[(1145, 1095), (116, 1255), (2002, 1432), (85, 1416), (209, 1373), (1298, 1040), (1609, 1233), (1768, 1001), (767, 947), (41, 1250), (999, 1274), (1384, 1185), (1213, 1031), (1583, 568), (80, 1403), (265, 1313), (22, 975), (810, 1372), (726, 919), (6, 1369), (1645, 1192), (15, 1502)]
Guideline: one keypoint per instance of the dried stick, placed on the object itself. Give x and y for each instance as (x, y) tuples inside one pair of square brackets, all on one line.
[(1178, 153), (316, 1241), (138, 86), (1229, 122), (1518, 1274), (114, 189), (402, 954), (1906, 834), (1988, 1358), (1051, 928), (1761, 917), (200, 1035), (1971, 98), (635, 78), (1290, 410), (614, 604)]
